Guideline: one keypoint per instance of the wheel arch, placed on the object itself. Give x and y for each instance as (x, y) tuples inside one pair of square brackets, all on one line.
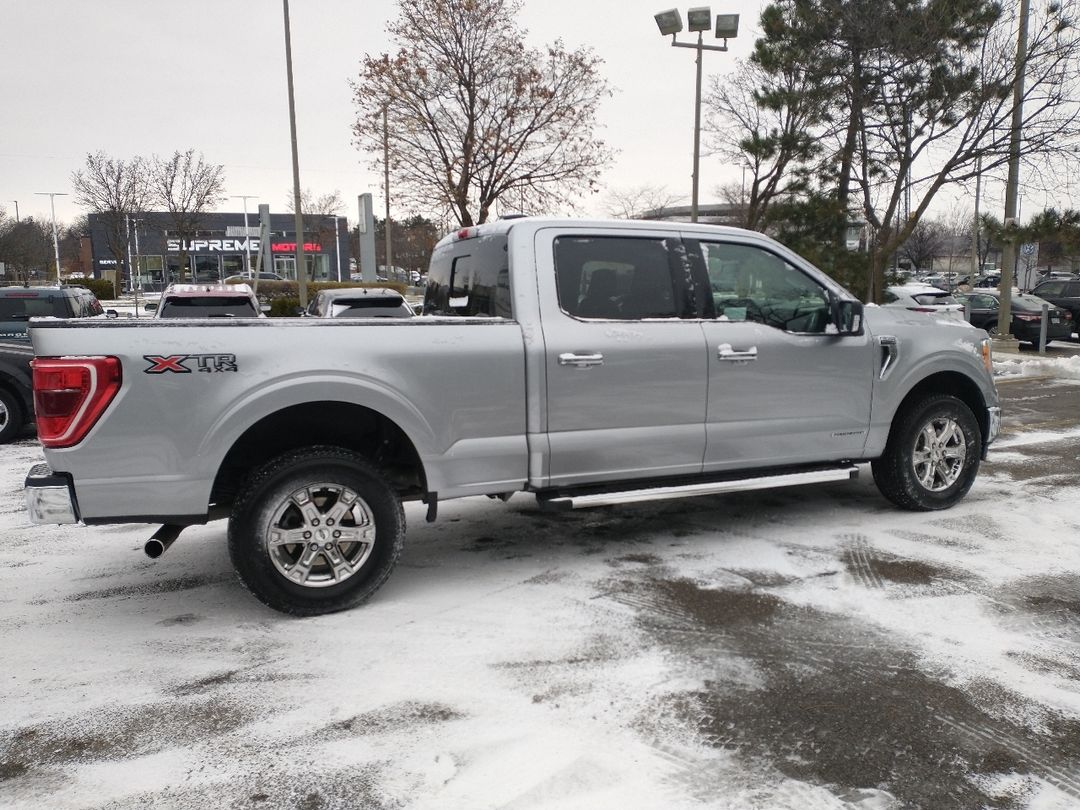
[(348, 425), (953, 383)]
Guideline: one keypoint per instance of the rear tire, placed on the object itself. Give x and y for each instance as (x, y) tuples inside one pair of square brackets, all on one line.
[(315, 531), (11, 416), (932, 456)]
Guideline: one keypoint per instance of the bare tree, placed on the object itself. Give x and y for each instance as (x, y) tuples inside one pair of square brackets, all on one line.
[(927, 131), (115, 190), (318, 211), (769, 122), (474, 115), (639, 202), (187, 187), (26, 248), (926, 242)]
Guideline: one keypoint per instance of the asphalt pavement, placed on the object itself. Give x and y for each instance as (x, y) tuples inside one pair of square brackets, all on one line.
[(799, 649)]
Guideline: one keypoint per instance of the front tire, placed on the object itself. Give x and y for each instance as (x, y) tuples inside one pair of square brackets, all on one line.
[(11, 416), (932, 455), (315, 531)]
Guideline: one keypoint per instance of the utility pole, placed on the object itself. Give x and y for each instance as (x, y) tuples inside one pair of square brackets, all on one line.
[(301, 265), (386, 189), (247, 236), (55, 239), (16, 210), (1008, 260), (975, 226)]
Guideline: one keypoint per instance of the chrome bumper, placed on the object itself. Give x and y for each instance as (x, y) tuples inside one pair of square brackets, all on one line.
[(50, 497), (993, 425)]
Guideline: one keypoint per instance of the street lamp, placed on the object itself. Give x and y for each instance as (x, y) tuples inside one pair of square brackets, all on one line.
[(698, 19), (247, 236), (55, 240)]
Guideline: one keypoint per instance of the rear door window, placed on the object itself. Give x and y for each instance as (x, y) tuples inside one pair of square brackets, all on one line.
[(621, 278)]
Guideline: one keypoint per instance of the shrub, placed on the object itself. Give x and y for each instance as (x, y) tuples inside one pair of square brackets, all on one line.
[(102, 288)]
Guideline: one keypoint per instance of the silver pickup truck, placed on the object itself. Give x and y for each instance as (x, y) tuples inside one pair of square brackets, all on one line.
[(586, 362)]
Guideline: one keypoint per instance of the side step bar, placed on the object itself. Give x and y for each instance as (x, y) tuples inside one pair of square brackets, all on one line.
[(845, 473)]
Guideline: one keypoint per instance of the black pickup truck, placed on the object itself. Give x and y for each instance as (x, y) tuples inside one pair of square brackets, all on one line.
[(16, 398), (18, 304)]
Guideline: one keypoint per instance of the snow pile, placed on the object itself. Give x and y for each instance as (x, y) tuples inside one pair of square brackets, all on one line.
[(1064, 368)]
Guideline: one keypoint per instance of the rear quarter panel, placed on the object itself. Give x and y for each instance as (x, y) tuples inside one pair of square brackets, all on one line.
[(456, 387)]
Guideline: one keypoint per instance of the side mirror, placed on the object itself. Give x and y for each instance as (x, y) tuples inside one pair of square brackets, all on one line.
[(151, 307), (300, 311), (847, 316), (111, 313)]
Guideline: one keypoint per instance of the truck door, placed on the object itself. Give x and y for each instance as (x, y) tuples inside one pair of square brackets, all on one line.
[(782, 389), (625, 376)]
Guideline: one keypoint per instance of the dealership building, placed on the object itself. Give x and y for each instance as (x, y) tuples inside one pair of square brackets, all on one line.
[(219, 248)]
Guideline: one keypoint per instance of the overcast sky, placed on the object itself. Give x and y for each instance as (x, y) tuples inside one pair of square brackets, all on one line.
[(135, 77), (144, 77)]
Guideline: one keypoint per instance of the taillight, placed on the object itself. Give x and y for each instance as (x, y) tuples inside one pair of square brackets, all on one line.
[(1021, 316), (70, 394), (923, 309)]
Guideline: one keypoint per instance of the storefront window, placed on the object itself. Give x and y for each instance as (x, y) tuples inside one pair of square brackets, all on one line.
[(285, 266)]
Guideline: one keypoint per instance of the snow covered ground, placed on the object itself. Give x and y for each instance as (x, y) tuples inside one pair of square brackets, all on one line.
[(806, 648)]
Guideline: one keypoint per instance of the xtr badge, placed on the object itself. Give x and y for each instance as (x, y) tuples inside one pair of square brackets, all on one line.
[(182, 363)]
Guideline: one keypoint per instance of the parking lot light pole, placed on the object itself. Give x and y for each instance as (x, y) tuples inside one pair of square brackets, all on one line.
[(247, 236), (698, 19), (55, 240)]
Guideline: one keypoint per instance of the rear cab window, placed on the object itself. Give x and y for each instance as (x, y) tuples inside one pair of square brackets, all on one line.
[(470, 277), (208, 306)]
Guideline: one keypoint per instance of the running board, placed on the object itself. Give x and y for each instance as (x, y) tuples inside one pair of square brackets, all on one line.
[(695, 490)]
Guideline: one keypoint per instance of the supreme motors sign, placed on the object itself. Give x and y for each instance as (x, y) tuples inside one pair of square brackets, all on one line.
[(233, 246)]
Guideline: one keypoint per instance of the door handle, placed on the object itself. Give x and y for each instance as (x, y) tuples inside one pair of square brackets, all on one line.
[(581, 360), (725, 352)]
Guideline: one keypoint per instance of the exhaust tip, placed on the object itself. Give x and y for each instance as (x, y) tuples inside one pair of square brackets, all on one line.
[(159, 543)]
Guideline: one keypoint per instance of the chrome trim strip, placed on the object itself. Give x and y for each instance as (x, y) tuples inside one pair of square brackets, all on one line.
[(891, 345)]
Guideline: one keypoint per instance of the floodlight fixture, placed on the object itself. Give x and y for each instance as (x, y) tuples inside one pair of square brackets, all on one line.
[(669, 22), (727, 26), (698, 19)]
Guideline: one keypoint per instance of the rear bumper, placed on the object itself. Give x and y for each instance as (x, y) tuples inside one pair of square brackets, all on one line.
[(50, 496)]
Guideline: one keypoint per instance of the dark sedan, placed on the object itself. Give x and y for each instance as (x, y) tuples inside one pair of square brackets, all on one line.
[(1064, 293), (1026, 315)]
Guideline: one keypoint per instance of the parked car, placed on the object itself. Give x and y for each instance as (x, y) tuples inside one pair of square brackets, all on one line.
[(359, 302), (921, 298), (208, 301), (1026, 313), (1061, 293), (19, 304), (987, 282), (16, 392)]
